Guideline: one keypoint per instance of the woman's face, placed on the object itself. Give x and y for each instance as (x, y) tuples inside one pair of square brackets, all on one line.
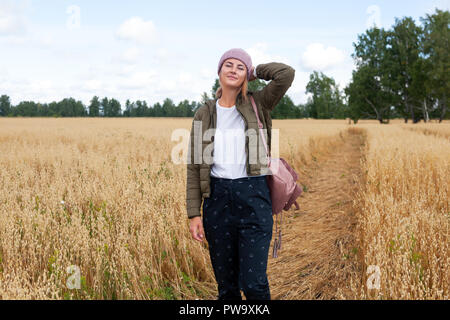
[(233, 73)]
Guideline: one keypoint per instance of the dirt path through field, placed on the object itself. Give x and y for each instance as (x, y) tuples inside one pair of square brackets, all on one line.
[(318, 245)]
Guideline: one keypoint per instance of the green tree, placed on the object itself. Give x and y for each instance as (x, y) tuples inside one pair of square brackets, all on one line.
[(403, 51), (373, 75), (436, 49), (169, 108), (104, 107), (115, 109), (5, 106), (421, 91), (285, 109), (157, 110), (365, 97), (215, 87), (256, 85), (69, 107), (326, 100), (26, 109), (94, 107), (128, 107), (204, 98)]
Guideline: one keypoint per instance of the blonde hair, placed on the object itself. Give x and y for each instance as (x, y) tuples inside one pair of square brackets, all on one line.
[(243, 91)]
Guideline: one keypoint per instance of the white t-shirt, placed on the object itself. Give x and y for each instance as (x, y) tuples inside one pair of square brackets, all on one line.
[(229, 144)]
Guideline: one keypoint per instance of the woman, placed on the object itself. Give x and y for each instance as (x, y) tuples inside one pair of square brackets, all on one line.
[(237, 209)]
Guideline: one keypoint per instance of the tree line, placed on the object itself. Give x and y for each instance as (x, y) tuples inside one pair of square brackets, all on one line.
[(401, 73), (105, 107)]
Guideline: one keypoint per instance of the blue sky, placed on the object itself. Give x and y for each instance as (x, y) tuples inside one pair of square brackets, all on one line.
[(150, 50)]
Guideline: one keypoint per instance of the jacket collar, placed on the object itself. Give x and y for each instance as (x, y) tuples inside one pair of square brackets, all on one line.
[(211, 103)]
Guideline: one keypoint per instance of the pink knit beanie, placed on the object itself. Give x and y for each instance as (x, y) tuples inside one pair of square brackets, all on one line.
[(240, 54)]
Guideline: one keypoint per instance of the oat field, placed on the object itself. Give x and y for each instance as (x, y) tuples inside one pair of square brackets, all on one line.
[(94, 208)]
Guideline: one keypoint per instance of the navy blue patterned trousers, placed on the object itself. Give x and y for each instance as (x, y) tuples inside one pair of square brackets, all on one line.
[(237, 219)]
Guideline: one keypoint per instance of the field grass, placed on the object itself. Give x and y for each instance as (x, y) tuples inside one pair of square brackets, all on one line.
[(404, 214), (104, 195)]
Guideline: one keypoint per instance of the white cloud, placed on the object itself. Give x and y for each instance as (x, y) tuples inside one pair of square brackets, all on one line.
[(20, 89), (174, 58), (45, 40), (439, 4), (30, 38), (341, 73), (13, 19), (161, 55), (166, 85), (138, 80), (138, 30), (4, 76), (93, 85), (13, 40), (3, 71), (126, 62), (207, 74), (185, 78), (15, 27), (131, 54), (317, 57), (126, 70), (259, 55), (41, 85)]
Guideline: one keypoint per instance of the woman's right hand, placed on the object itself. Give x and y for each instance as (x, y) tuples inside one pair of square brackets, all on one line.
[(196, 228), (252, 76)]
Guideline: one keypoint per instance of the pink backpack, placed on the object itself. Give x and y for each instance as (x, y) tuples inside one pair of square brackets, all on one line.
[(284, 190)]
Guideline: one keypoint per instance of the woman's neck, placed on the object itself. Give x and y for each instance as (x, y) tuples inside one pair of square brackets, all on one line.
[(228, 98)]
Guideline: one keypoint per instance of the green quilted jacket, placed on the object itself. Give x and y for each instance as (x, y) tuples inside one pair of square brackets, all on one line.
[(204, 123)]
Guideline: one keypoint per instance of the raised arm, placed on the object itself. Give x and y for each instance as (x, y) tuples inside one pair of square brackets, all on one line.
[(281, 76)]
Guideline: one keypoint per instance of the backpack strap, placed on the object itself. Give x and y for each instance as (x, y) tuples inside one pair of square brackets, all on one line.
[(260, 126), (279, 234), (277, 241)]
